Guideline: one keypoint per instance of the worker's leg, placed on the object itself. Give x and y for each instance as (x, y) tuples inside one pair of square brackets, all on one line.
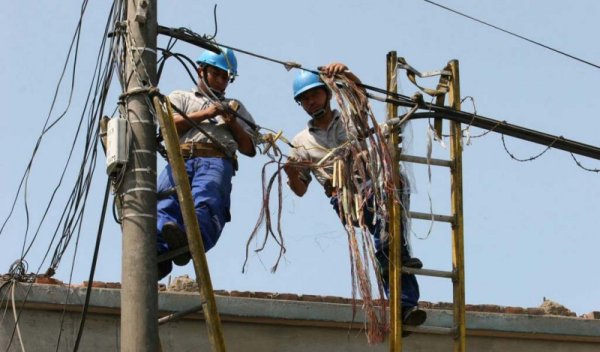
[(210, 180), (167, 206), (410, 287), (167, 212), (211, 189)]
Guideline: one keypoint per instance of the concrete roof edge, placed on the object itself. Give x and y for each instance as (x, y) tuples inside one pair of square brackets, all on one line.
[(274, 309)]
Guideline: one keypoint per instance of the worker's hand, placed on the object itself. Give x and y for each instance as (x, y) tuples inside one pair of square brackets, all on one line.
[(334, 68), (212, 110), (291, 169), (228, 117)]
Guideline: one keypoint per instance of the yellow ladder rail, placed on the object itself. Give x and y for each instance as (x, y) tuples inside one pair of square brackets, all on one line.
[(196, 247), (395, 212), (458, 251), (451, 84)]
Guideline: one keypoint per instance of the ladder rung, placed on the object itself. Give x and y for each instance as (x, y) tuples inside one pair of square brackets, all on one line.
[(430, 329), (422, 160), (428, 272), (178, 315), (436, 217), (172, 254)]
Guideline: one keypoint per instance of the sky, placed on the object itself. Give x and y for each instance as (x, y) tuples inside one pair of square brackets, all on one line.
[(531, 228)]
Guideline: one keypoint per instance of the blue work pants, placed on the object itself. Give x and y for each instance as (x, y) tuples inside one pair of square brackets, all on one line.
[(210, 181)]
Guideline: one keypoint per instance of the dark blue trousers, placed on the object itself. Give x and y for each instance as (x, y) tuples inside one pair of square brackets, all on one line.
[(210, 180)]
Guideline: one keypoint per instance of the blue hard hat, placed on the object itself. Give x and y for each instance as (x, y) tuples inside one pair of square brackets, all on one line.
[(304, 81), (226, 60)]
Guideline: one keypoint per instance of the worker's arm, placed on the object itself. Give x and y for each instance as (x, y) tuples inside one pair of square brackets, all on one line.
[(183, 125), (296, 183), (243, 139)]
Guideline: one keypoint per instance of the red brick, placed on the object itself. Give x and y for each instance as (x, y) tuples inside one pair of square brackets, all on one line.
[(311, 298), (591, 315), (514, 310), (244, 294), (260, 294), (285, 296), (114, 285), (333, 299), (535, 311), (425, 304), (47, 281), (95, 284)]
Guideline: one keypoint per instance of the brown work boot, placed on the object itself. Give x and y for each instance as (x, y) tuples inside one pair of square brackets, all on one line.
[(175, 239)]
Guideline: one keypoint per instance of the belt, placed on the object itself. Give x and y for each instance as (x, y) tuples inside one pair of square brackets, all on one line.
[(206, 150)]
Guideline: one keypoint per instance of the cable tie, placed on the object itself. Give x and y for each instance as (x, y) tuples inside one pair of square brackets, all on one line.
[(143, 151), (136, 91), (289, 65), (138, 215), (137, 189)]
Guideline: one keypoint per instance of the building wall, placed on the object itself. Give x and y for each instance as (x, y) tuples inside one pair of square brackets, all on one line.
[(274, 325)]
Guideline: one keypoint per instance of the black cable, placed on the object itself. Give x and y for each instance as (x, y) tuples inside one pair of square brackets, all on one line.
[(90, 147), (180, 57), (88, 292), (47, 127), (581, 165), (514, 34), (216, 24), (289, 65), (531, 158), (72, 217), (114, 211)]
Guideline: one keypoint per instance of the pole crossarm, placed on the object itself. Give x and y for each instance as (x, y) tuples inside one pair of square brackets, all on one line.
[(181, 34)]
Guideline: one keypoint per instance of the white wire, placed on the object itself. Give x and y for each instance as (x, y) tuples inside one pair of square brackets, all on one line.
[(14, 308)]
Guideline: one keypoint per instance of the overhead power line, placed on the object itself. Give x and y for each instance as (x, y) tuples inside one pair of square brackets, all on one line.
[(514, 34)]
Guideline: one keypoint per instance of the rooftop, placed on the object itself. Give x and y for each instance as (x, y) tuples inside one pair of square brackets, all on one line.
[(308, 322)]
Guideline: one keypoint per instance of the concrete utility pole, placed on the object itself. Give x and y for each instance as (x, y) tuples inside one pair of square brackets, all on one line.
[(139, 294)]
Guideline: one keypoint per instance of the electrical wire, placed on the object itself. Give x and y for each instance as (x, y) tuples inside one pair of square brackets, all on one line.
[(88, 291), (390, 97), (71, 220), (47, 125), (515, 35), (14, 309)]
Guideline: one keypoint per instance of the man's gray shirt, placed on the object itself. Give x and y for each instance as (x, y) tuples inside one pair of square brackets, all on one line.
[(192, 101), (312, 144)]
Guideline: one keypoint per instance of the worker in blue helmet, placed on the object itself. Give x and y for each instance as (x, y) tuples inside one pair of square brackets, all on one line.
[(210, 134), (325, 131)]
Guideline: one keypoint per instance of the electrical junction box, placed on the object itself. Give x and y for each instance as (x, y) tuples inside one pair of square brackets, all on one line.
[(116, 145)]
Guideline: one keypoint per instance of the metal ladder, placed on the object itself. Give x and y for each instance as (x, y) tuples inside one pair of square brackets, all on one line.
[(208, 305), (449, 82)]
